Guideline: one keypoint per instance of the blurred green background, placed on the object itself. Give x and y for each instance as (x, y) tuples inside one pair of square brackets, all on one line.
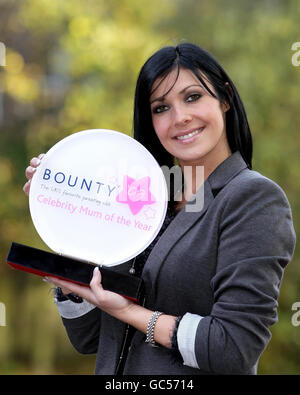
[(72, 65)]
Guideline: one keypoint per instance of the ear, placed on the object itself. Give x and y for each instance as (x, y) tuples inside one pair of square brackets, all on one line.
[(225, 106), (229, 90)]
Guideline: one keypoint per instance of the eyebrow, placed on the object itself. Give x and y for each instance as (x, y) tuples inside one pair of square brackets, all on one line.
[(162, 98)]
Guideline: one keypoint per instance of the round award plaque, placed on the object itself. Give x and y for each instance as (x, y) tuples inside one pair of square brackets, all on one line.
[(98, 196)]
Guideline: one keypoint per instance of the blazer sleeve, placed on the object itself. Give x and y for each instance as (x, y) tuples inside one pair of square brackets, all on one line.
[(82, 322), (256, 242)]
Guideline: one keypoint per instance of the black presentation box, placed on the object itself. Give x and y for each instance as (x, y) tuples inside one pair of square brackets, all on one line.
[(43, 263)]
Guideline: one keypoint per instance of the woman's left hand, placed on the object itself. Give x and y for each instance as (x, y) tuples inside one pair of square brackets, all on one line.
[(110, 302), (120, 307)]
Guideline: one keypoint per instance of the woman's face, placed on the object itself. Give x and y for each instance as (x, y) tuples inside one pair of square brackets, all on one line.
[(189, 122)]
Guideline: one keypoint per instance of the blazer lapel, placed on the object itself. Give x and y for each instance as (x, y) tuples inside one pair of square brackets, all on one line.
[(185, 219), (177, 228)]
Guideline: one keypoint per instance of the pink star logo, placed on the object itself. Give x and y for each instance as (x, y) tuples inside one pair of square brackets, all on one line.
[(136, 193)]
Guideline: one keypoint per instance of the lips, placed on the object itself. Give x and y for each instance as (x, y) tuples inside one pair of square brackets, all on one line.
[(189, 134)]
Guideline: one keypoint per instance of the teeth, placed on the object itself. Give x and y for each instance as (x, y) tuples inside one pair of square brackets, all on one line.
[(187, 136)]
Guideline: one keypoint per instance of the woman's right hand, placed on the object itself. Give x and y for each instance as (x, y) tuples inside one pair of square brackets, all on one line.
[(30, 170)]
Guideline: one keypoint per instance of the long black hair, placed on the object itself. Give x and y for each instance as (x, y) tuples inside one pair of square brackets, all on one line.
[(200, 62)]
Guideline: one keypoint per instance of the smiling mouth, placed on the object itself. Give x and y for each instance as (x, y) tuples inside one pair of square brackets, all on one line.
[(189, 135)]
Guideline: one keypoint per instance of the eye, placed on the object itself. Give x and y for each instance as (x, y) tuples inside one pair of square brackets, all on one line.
[(193, 97), (160, 109)]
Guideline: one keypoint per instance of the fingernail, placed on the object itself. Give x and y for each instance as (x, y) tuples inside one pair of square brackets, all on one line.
[(36, 161), (46, 279), (96, 270)]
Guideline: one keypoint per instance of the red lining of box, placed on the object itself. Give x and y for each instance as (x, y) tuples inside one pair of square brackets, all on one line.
[(45, 274)]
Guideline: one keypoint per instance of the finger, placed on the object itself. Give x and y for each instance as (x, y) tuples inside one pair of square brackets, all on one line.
[(26, 187), (79, 290), (95, 283), (96, 279), (65, 290), (29, 172), (35, 162), (41, 156)]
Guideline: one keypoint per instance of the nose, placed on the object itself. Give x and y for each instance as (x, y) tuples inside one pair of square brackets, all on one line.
[(181, 117)]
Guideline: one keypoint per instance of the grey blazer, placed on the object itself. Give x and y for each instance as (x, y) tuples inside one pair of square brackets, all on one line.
[(223, 264)]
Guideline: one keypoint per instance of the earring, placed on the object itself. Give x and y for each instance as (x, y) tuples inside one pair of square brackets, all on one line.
[(229, 89)]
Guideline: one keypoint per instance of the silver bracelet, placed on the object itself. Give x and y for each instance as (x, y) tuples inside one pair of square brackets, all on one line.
[(150, 328)]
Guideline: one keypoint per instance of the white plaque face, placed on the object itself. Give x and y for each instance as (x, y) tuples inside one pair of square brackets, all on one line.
[(98, 196)]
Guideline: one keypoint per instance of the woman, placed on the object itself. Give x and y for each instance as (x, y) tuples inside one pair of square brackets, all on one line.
[(213, 275)]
